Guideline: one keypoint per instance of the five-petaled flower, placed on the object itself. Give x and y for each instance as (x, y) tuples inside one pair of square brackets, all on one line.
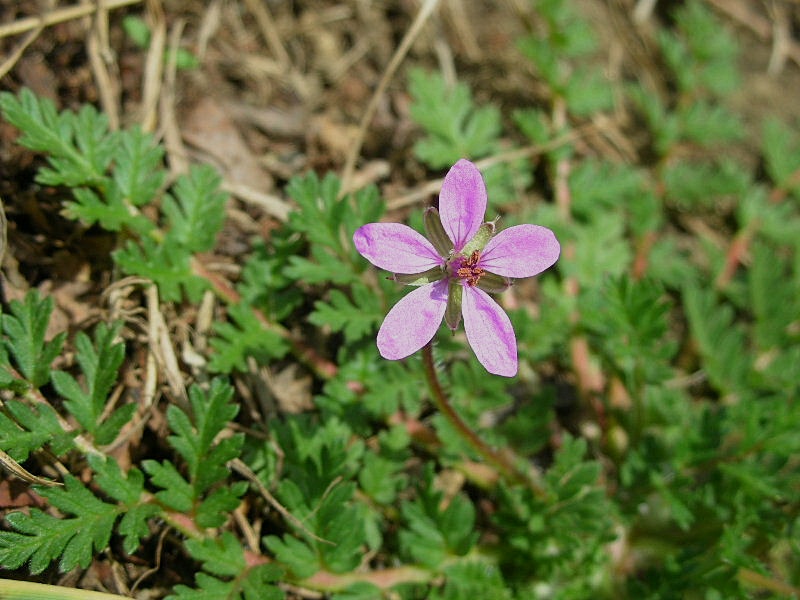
[(455, 266)]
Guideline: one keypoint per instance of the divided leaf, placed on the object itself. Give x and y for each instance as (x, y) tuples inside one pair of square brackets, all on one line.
[(433, 533), (455, 127), (100, 363), (26, 428), (196, 212), (194, 438), (243, 336), (24, 336), (79, 146), (41, 538)]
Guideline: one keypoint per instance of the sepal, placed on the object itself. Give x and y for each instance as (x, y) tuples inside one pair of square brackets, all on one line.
[(493, 283), (435, 232), (452, 314), (418, 279), (485, 232)]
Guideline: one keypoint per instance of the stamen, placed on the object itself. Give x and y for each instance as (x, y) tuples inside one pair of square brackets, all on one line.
[(469, 269)]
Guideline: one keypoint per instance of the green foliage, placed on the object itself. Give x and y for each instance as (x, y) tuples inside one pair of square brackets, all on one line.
[(327, 223), (355, 318), (243, 336), (128, 490), (139, 32), (554, 50), (100, 363), (455, 127), (112, 175), (782, 154), (473, 579), (194, 440), (315, 488), (24, 337), (42, 537), (536, 547), (224, 557), (701, 53), (432, 533), (193, 218), (628, 321), (79, 146), (24, 429)]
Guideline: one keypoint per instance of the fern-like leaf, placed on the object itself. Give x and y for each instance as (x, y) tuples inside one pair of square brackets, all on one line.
[(41, 538), (100, 363), (25, 330)]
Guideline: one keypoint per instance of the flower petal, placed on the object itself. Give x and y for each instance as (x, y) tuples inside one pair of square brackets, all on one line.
[(413, 321), (489, 332), (396, 248), (462, 202), (520, 251)]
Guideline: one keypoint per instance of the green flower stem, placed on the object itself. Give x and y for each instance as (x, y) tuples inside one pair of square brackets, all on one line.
[(501, 461)]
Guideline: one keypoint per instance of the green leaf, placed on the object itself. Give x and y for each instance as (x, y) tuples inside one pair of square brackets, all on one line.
[(245, 336), (455, 127), (696, 184), (194, 438), (629, 322), (264, 284), (100, 363), (25, 429), (381, 478), (136, 29), (708, 124), (41, 538), (720, 341), (621, 185), (587, 92), (128, 489), (433, 533), (177, 493), (25, 331), (138, 170), (294, 554), (781, 149), (80, 147), (110, 211), (165, 263), (471, 580), (702, 53), (255, 584), (355, 318), (217, 506), (197, 211), (223, 556)]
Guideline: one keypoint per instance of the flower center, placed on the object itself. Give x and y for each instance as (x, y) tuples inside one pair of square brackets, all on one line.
[(469, 270)]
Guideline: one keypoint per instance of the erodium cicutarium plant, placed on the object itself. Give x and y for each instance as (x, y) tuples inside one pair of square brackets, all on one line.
[(461, 261)]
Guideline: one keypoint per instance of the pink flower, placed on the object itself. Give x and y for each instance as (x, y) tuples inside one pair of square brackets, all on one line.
[(454, 267)]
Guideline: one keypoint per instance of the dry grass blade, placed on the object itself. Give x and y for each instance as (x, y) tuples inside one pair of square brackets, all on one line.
[(59, 16), (355, 149), (12, 467)]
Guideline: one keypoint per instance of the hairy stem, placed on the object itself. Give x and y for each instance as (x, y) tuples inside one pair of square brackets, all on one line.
[(501, 461)]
